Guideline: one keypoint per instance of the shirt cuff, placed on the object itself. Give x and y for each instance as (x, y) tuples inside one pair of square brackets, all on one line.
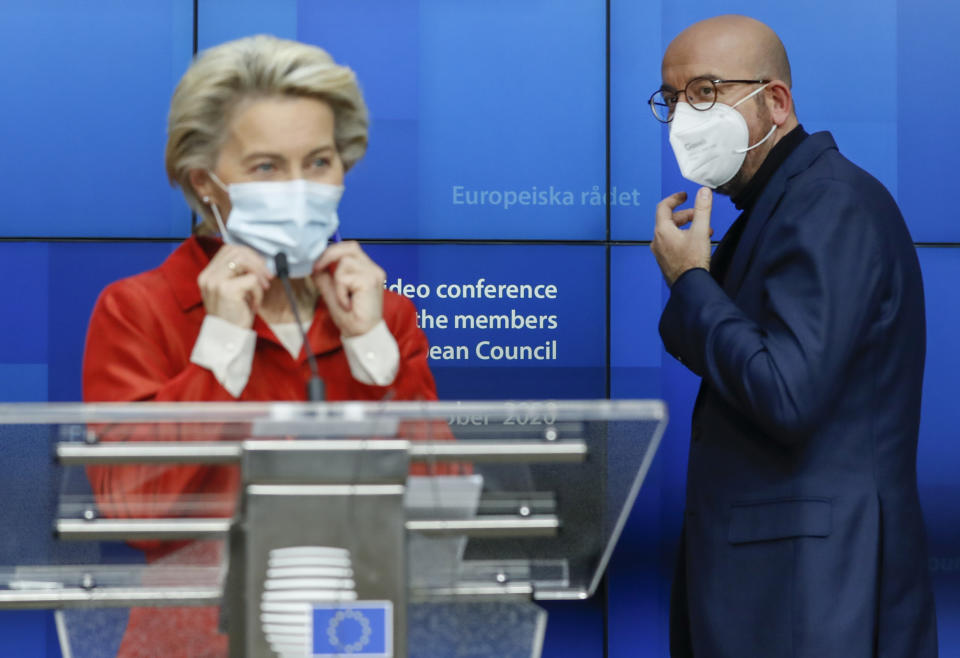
[(226, 350), (374, 357)]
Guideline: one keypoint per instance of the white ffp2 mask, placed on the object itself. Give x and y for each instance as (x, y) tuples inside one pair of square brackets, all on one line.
[(297, 217), (710, 145)]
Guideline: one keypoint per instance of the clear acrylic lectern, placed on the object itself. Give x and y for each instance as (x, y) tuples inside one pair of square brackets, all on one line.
[(314, 529)]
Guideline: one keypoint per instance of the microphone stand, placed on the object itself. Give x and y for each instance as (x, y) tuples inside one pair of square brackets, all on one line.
[(316, 390)]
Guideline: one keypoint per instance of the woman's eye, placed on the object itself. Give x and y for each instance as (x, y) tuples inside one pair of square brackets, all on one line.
[(264, 167), (321, 162)]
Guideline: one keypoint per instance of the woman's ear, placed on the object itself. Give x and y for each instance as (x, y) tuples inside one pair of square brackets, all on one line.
[(203, 185)]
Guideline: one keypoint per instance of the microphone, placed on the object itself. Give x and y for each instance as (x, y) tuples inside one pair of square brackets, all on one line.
[(316, 391)]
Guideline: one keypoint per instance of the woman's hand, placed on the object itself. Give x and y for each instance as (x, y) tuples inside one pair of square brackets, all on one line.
[(351, 286), (233, 284)]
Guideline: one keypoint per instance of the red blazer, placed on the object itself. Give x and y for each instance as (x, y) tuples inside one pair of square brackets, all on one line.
[(141, 335)]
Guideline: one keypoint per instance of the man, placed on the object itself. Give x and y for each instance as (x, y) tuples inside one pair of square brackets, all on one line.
[(803, 533)]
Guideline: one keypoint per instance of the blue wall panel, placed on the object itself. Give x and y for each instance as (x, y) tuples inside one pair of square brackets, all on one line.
[(462, 143), (573, 354), (637, 581), (29, 634), (83, 122), (635, 304), (23, 382), (44, 326), (225, 20), (843, 58), (927, 131), (24, 318), (938, 458), (635, 136), (382, 197), (486, 133), (466, 98), (833, 90), (511, 101), (70, 305), (574, 629)]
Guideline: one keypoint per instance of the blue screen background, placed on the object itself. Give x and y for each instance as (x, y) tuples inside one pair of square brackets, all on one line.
[(474, 103)]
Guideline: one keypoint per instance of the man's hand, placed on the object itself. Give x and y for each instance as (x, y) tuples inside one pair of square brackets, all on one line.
[(676, 250), (351, 286)]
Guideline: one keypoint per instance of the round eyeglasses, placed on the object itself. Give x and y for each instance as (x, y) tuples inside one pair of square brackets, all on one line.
[(701, 93)]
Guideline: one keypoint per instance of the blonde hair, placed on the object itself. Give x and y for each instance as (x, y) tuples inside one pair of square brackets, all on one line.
[(224, 76)]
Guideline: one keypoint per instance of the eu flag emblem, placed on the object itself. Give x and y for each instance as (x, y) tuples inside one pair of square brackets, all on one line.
[(360, 629)]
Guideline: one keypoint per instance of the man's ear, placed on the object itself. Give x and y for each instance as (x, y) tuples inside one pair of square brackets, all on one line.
[(779, 101)]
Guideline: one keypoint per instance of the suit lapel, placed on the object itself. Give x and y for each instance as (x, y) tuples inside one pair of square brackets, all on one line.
[(797, 162), (720, 260)]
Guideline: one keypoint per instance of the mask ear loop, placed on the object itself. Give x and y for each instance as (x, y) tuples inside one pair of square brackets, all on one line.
[(216, 215), (750, 148), (742, 100), (213, 206), (772, 129)]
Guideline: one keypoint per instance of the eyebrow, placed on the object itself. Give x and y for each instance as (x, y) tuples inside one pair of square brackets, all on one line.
[(258, 155), (320, 149), (262, 155), (706, 76)]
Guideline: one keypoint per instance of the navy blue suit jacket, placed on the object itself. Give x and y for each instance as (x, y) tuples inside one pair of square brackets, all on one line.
[(803, 533)]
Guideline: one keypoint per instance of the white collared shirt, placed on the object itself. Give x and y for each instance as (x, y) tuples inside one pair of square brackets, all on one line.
[(227, 351)]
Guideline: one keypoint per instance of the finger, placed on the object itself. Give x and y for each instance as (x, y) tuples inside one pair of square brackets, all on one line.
[(335, 252), (379, 276), (349, 264), (359, 274), (239, 286), (245, 289), (250, 261), (361, 282), (248, 289), (365, 273), (682, 217), (702, 207), (666, 207), (343, 289), (255, 298), (327, 289), (236, 260), (335, 291)]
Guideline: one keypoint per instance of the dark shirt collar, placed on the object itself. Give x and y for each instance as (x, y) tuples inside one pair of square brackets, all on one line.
[(748, 196)]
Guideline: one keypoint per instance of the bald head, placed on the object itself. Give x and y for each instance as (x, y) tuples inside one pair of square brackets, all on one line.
[(742, 52), (736, 47)]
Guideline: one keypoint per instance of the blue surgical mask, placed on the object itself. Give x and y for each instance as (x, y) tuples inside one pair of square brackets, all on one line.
[(297, 217)]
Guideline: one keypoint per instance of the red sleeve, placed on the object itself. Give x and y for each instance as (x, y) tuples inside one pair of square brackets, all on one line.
[(128, 351), (131, 355)]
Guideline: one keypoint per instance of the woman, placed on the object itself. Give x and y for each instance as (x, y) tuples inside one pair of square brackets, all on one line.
[(261, 132)]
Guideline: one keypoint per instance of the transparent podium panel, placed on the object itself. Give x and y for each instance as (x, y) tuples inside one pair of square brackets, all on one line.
[(314, 529), (476, 629)]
